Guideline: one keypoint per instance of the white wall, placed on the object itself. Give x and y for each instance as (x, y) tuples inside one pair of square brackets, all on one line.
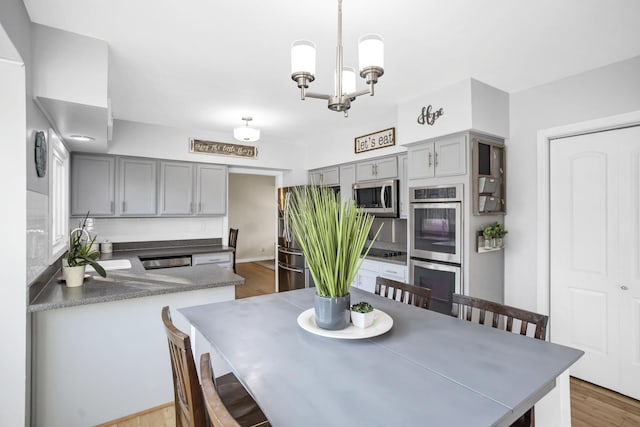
[(13, 364), (252, 210), (606, 91)]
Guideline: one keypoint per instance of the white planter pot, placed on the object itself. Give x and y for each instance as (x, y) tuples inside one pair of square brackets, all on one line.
[(73, 276), (362, 320)]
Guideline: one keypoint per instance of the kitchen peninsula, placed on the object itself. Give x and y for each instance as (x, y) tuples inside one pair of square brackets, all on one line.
[(99, 351)]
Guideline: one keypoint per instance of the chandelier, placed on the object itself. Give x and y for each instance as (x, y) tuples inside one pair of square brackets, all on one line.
[(246, 133), (371, 61)]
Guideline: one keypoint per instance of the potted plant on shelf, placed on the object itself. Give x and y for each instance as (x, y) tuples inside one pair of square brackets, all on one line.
[(81, 253), (362, 315), (499, 231), (332, 235), (488, 234)]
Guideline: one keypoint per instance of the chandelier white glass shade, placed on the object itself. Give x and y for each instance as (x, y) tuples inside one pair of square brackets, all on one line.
[(246, 133), (371, 65)]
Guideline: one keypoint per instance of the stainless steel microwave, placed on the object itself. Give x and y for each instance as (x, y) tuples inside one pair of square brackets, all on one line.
[(380, 198)]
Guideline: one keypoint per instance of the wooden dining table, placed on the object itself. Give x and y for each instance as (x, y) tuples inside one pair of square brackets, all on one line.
[(428, 369)]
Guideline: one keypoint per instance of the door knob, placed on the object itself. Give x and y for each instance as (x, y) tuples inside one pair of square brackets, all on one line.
[(624, 288)]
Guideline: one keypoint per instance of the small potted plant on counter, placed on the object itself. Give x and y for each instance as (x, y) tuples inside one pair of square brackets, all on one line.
[(80, 254), (362, 315)]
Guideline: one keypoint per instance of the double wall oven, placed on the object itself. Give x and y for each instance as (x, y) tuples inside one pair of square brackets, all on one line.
[(436, 243), (293, 271)]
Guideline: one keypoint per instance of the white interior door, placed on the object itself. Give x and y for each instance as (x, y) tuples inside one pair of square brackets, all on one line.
[(595, 241)]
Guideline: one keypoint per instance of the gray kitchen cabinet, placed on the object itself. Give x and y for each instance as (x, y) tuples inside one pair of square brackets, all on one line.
[(93, 185), (176, 188), (347, 179), (211, 190), (441, 157), (221, 259), (137, 182), (384, 168), (403, 174), (326, 176)]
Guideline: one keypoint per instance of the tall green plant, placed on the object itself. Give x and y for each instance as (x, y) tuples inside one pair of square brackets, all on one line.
[(332, 234)]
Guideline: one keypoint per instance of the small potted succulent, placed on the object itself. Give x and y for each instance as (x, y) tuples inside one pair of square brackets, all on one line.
[(81, 252), (362, 315)]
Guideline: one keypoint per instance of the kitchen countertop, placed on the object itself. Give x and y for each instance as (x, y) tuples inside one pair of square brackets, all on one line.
[(136, 282)]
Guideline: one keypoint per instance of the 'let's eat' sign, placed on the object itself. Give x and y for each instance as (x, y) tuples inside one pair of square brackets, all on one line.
[(373, 141)]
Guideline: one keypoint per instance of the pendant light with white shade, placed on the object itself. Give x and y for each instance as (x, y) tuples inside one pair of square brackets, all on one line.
[(371, 61)]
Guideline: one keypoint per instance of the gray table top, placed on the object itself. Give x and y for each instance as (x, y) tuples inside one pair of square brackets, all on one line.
[(429, 369)]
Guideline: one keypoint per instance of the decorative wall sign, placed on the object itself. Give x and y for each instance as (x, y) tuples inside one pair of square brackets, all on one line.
[(429, 117), (222, 148), (373, 141), (41, 154)]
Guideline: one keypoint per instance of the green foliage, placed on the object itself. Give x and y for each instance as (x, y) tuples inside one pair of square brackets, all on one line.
[(362, 307), (332, 234), (80, 252), (494, 230)]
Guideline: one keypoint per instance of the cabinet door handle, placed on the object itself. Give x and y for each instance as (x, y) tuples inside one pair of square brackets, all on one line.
[(436, 159), (190, 207), (113, 206), (430, 159), (624, 288), (199, 207), (124, 206)]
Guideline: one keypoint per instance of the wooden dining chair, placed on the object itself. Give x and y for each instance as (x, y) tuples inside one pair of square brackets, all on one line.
[(403, 292), (228, 409), (189, 404), (233, 241), (502, 316)]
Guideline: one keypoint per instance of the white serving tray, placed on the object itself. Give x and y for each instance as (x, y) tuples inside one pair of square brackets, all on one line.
[(382, 323)]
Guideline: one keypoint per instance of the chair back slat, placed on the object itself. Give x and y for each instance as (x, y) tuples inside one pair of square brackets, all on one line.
[(409, 294), (188, 398), (467, 304)]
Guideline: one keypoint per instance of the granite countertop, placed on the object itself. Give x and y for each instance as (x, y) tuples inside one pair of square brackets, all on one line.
[(136, 282)]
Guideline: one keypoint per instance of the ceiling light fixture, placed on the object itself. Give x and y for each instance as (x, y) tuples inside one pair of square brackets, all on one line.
[(246, 133), (371, 59), (81, 138)]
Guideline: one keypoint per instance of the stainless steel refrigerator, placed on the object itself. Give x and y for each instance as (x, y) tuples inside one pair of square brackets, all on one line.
[(293, 271)]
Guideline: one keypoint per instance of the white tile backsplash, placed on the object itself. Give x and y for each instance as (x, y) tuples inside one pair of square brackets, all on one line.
[(151, 229), (37, 234)]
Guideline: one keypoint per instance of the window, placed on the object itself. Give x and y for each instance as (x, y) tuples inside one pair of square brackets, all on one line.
[(58, 195)]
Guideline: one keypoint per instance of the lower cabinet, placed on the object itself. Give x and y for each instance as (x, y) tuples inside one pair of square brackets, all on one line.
[(366, 277), (221, 259)]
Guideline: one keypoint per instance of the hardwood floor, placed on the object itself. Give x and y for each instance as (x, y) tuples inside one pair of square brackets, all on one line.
[(258, 280), (591, 406)]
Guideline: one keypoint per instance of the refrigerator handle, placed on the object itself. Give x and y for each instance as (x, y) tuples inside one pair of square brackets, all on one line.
[(284, 267)]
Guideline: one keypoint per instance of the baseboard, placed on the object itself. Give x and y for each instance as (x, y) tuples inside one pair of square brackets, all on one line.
[(262, 258)]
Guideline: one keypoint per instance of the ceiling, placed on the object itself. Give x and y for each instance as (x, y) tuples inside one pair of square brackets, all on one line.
[(203, 64)]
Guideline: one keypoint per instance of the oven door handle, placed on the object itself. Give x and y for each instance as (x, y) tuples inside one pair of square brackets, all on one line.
[(384, 201), (284, 267)]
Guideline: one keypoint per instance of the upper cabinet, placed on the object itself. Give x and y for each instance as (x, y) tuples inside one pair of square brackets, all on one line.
[(347, 179), (325, 176), (70, 84), (442, 157), (384, 168), (93, 185), (176, 188), (139, 187), (211, 194), (137, 182)]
